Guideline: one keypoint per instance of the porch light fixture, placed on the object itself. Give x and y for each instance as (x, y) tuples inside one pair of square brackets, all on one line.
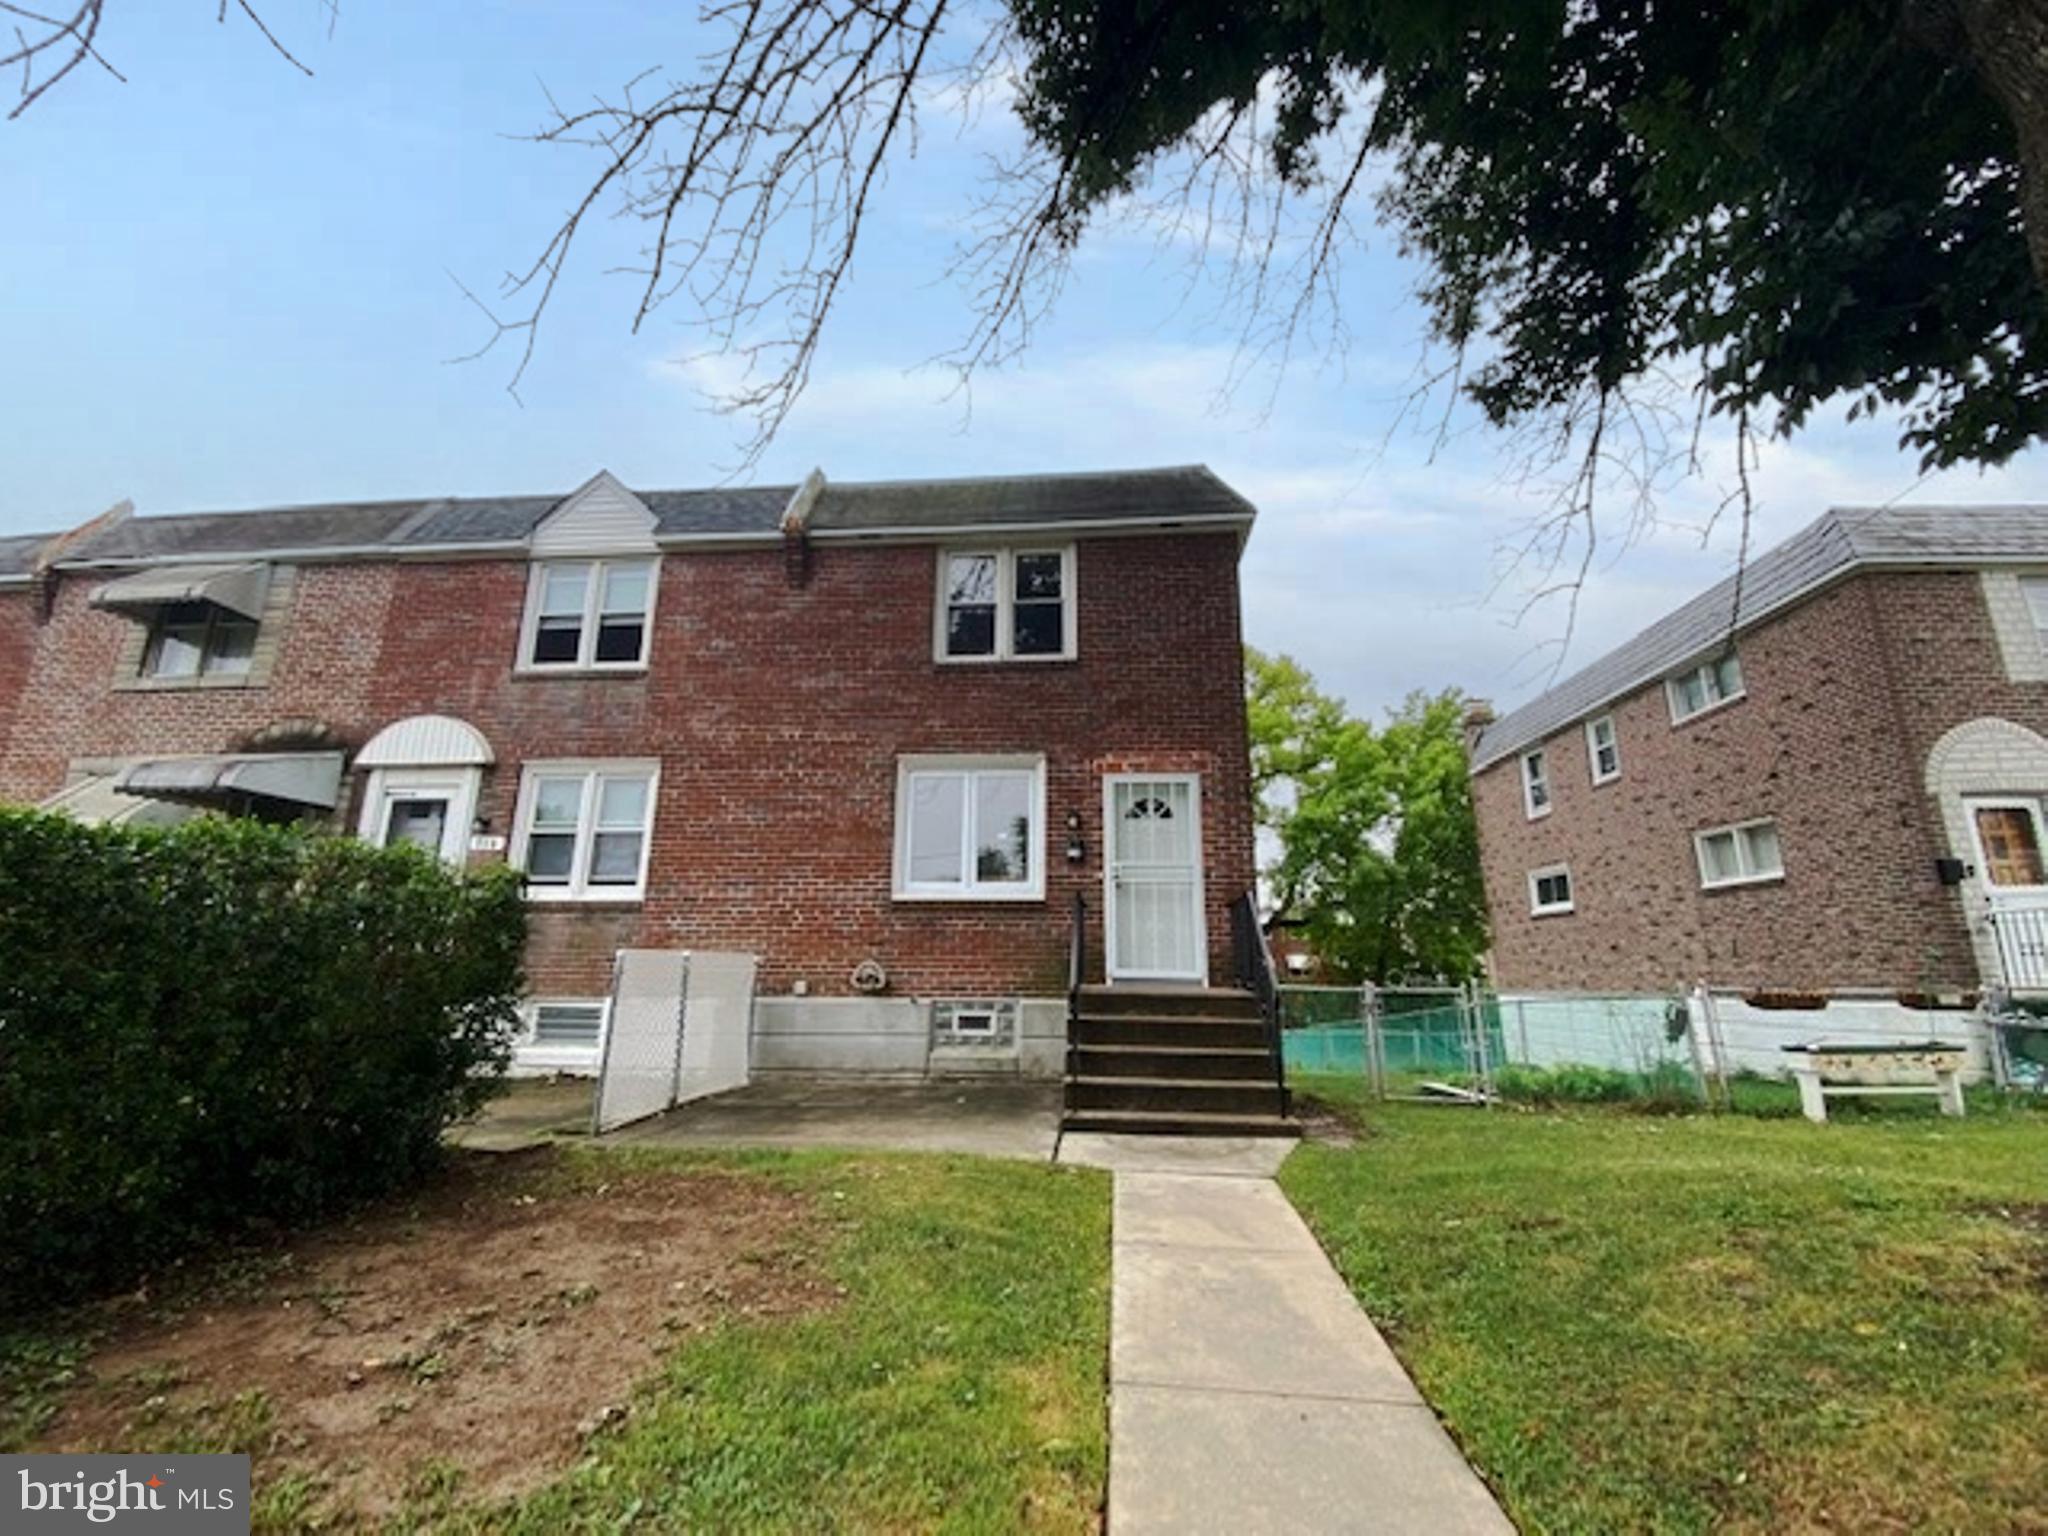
[(1077, 850), (481, 825)]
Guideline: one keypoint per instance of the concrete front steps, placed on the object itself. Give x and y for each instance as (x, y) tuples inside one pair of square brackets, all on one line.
[(1173, 1061)]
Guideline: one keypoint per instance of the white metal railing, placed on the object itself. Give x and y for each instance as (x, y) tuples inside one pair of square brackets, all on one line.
[(2022, 934)]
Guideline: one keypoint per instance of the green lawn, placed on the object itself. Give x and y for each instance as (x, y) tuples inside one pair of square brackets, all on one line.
[(1676, 1323), (955, 1383)]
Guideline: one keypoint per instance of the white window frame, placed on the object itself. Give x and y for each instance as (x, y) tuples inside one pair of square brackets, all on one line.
[(1707, 671), (578, 887), (2034, 592), (1593, 749), (1537, 758), (529, 1050), (1735, 829), (593, 599), (1006, 602), (1540, 908), (1031, 888)]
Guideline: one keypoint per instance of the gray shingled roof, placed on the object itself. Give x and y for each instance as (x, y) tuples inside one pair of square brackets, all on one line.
[(1838, 542), (18, 552), (850, 508)]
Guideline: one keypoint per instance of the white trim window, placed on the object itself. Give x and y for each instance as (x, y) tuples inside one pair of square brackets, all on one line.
[(1603, 750), (1706, 686), (1550, 891), (587, 615), (1005, 605), (1743, 854), (1536, 783), (970, 829), (583, 829)]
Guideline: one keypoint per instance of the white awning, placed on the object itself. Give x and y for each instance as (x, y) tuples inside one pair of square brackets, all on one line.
[(294, 778), (237, 588)]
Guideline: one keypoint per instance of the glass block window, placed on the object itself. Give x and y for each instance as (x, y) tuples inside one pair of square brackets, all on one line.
[(978, 1022)]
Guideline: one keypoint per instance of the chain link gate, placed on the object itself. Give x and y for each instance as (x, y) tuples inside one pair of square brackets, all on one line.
[(677, 1027)]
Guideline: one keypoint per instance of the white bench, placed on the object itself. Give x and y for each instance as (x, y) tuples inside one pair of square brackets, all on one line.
[(1822, 1069)]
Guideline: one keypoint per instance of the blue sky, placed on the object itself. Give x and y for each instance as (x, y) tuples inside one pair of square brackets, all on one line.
[(224, 284)]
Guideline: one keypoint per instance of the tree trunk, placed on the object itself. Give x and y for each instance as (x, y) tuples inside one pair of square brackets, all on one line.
[(2006, 42)]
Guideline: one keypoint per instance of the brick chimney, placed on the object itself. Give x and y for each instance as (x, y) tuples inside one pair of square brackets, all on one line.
[(796, 528), (1478, 716)]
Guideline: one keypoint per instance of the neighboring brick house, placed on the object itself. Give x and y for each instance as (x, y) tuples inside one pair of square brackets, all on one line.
[(1831, 792), (828, 725)]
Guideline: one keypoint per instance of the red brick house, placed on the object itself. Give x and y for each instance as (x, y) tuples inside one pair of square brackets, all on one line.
[(888, 727), (1831, 789)]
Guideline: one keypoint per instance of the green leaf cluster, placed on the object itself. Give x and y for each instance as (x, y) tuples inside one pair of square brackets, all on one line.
[(1379, 848), (227, 1024)]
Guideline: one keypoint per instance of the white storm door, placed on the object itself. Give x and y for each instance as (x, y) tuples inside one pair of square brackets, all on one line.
[(1152, 911), (430, 810)]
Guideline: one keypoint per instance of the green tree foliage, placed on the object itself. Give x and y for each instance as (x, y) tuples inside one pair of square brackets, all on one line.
[(1790, 201), (228, 1024), (1379, 847)]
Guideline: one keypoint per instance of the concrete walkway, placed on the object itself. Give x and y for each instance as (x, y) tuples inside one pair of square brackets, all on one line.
[(1248, 1392)]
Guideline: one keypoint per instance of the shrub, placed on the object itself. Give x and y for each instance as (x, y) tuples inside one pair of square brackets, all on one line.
[(1663, 1087), (228, 1024)]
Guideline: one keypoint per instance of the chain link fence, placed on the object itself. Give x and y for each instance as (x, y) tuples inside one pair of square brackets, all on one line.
[(1677, 1050)]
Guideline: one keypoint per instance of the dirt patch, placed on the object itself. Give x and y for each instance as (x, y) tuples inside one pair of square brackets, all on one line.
[(487, 1326)]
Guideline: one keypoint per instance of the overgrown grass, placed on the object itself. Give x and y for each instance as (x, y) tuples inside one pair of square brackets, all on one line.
[(1683, 1323), (958, 1385)]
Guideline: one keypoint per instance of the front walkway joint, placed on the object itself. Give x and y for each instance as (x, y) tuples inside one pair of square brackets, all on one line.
[(1248, 1392)]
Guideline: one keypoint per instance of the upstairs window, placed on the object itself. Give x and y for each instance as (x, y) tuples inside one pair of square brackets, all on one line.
[(1006, 605), (583, 615), (2035, 590), (1550, 891), (1701, 688), (1603, 749), (1739, 855), (582, 830), (198, 640), (970, 829), (1535, 784)]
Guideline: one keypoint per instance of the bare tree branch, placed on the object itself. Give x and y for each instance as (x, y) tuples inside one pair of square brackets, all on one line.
[(49, 45)]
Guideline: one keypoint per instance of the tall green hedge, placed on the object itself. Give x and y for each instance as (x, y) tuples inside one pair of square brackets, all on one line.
[(226, 1025)]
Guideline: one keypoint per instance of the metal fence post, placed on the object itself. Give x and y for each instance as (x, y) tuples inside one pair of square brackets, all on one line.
[(1374, 1011), (1483, 1044)]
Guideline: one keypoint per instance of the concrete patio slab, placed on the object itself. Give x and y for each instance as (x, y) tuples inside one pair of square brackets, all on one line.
[(1248, 1391), (1250, 1157), (998, 1118), (1235, 1462), (530, 1112)]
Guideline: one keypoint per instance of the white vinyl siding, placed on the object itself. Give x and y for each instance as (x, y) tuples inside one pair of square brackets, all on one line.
[(1535, 784), (970, 829), (588, 616), (1743, 854), (1706, 686), (1603, 750), (1005, 605), (583, 829), (1550, 891)]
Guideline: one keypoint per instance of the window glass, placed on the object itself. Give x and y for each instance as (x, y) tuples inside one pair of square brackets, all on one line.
[(1536, 782), (2012, 850), (551, 846), (1606, 750), (1002, 821), (230, 647), (1040, 619), (937, 827), (971, 831), (177, 649), (558, 631), (622, 617), (588, 829), (1727, 677), (567, 1023), (621, 823), (2035, 590), (1717, 852), (1552, 888), (971, 605), (1761, 848)]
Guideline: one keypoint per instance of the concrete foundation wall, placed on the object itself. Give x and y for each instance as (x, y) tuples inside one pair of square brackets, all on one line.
[(892, 1036)]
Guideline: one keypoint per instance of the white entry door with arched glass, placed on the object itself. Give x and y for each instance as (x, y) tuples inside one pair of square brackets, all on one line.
[(1152, 871), (424, 778)]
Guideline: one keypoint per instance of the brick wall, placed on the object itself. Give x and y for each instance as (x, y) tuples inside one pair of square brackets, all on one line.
[(778, 714), (1845, 693), (17, 648)]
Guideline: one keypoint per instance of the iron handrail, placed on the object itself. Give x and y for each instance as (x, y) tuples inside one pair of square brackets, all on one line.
[(1077, 972), (1253, 960)]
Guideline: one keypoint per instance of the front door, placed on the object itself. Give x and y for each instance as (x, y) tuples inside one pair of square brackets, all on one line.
[(431, 810), (1152, 860)]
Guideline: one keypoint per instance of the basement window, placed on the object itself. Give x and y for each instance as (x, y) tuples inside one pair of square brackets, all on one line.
[(572, 1024), (974, 1022)]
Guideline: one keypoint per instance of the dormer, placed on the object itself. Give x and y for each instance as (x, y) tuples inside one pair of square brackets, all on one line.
[(590, 590)]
